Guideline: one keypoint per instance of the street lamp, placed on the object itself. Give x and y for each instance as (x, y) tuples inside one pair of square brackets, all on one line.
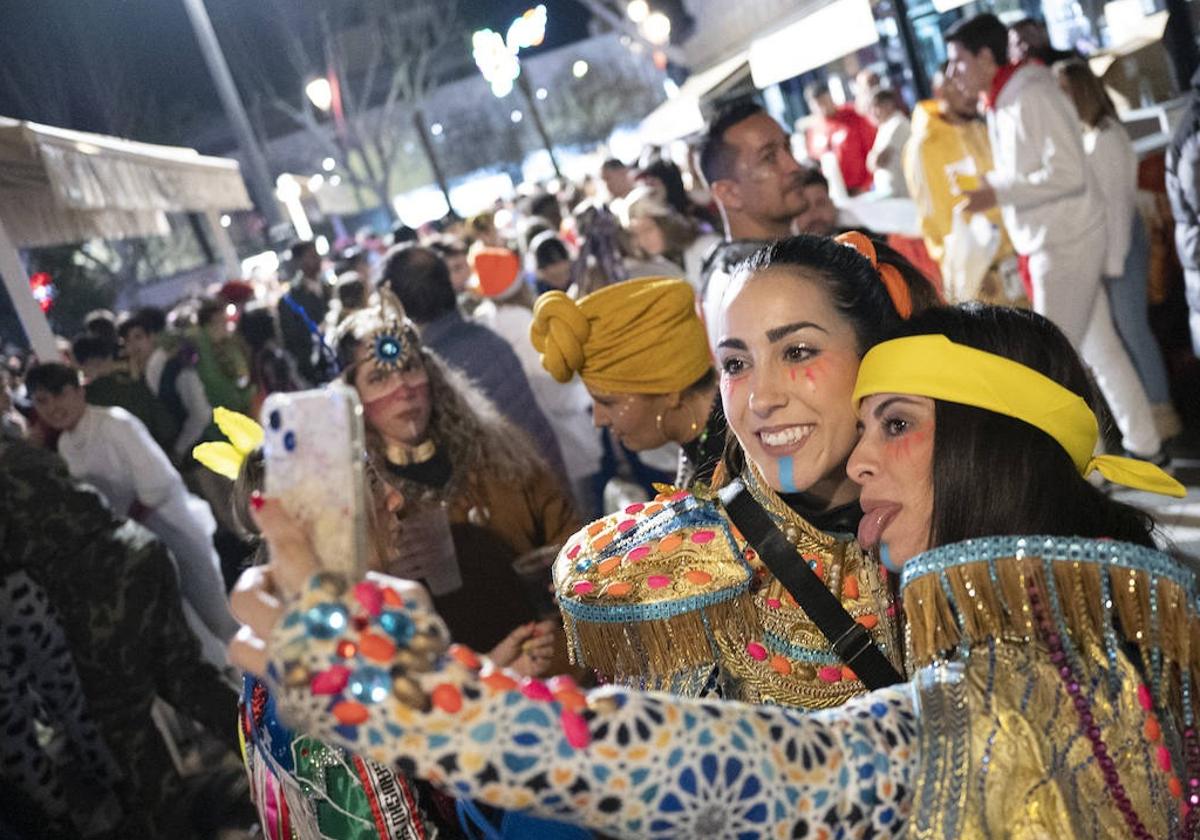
[(320, 93), (657, 28), (579, 69), (329, 164), (497, 59), (637, 10)]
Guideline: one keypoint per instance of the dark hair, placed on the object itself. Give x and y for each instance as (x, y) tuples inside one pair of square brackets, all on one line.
[(672, 180), (89, 346), (300, 246), (1092, 102), (257, 326), (548, 249), (717, 158), (980, 32), (854, 286), (421, 280), (351, 290), (887, 95), (50, 376), (402, 233), (207, 309), (101, 322), (149, 319), (994, 474), (613, 163), (544, 205)]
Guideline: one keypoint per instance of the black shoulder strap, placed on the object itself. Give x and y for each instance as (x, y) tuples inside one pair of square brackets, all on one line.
[(850, 640)]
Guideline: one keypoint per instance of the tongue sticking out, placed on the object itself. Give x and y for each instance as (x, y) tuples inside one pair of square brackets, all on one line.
[(873, 524)]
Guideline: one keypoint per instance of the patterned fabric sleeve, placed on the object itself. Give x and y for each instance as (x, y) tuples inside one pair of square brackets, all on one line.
[(361, 668)]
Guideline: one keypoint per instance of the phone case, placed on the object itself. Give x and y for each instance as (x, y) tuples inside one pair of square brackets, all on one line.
[(314, 455)]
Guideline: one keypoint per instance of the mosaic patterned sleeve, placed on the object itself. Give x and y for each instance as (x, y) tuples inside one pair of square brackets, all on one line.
[(360, 667)]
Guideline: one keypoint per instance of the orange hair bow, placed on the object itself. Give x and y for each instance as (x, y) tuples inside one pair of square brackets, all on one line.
[(897, 289)]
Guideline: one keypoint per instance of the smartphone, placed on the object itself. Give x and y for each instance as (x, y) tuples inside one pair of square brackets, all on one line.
[(313, 451)]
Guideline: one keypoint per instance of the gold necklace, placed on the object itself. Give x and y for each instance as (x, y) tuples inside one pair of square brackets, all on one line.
[(402, 456)]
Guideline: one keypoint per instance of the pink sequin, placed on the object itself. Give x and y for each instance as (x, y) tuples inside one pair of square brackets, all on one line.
[(757, 652), (583, 587), (575, 728), (330, 681), (702, 537), (638, 553), (369, 596), (830, 674), (1164, 759), (574, 552), (773, 603), (635, 508), (1144, 698), (658, 581), (536, 690), (626, 525), (680, 496)]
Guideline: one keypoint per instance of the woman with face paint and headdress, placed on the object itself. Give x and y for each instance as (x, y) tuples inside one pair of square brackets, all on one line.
[(669, 595), (1051, 649)]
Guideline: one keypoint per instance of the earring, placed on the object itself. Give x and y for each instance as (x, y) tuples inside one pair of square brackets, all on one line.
[(658, 425)]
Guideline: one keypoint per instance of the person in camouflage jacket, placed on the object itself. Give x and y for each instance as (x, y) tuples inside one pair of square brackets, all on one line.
[(115, 589)]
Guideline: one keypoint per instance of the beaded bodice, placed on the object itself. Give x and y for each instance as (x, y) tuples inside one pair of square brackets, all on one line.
[(668, 595), (1055, 679)]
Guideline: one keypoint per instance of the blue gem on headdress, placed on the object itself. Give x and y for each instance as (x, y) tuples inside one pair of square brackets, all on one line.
[(389, 349)]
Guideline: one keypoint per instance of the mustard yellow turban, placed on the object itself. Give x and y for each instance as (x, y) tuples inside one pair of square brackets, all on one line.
[(638, 337)]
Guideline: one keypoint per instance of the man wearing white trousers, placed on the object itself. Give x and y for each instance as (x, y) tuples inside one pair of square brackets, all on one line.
[(1051, 208)]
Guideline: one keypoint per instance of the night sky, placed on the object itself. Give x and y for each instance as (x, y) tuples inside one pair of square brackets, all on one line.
[(141, 47)]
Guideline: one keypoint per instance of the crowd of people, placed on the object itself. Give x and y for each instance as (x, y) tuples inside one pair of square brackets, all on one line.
[(825, 512)]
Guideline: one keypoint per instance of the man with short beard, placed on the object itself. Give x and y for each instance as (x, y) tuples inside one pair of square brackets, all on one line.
[(746, 159)]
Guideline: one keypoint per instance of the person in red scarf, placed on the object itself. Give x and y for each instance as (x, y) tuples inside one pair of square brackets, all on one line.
[(843, 131), (1051, 207)]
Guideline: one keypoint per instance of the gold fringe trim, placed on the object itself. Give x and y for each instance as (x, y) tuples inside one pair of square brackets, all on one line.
[(1003, 611), (657, 648)]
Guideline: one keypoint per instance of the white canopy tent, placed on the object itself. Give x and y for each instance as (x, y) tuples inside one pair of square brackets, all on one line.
[(59, 186)]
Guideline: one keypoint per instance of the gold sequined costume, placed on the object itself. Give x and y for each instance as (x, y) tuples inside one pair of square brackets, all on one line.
[(669, 596), (1015, 689)]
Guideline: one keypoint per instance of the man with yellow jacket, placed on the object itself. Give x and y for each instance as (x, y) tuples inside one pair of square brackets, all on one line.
[(947, 153)]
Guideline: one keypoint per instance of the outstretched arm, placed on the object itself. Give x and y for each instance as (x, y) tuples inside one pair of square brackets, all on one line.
[(369, 667)]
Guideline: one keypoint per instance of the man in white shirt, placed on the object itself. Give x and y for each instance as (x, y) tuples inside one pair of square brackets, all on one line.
[(1051, 208), (168, 376), (110, 449), (886, 158)]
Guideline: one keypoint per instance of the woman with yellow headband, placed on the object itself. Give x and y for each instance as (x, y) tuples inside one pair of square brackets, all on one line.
[(1053, 670), (668, 595)]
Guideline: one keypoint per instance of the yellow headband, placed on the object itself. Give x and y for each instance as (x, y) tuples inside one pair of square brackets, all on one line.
[(934, 366)]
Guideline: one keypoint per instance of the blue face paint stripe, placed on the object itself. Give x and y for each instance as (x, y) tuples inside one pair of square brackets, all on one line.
[(885, 557), (786, 483)]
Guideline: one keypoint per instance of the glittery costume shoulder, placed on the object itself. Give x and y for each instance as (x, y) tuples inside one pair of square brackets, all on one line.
[(669, 596), (1056, 683)]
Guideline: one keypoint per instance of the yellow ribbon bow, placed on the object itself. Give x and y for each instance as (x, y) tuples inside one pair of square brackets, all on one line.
[(244, 436)]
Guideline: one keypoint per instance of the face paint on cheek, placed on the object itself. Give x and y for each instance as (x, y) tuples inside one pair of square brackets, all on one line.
[(787, 483), (814, 372)]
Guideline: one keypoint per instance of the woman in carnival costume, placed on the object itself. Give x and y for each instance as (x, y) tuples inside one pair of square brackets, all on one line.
[(308, 787), (1053, 671), (669, 595)]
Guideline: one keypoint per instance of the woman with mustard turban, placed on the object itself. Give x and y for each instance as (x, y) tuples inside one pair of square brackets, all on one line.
[(1052, 651), (641, 351)]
